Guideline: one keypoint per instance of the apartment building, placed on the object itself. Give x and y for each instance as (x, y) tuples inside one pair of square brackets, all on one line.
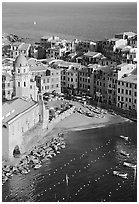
[(86, 80), (7, 86), (127, 93)]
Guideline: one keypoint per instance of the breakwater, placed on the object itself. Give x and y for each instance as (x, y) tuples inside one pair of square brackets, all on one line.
[(34, 158)]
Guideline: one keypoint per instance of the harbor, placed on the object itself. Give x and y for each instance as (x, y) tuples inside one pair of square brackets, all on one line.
[(86, 165)]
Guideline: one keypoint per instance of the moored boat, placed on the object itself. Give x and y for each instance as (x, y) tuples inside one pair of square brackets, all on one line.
[(126, 138), (129, 164), (117, 173), (37, 166), (124, 153)]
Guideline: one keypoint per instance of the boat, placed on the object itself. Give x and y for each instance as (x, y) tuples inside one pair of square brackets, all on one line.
[(129, 164), (90, 114), (34, 23), (37, 166), (124, 153), (49, 156), (117, 173), (126, 138), (63, 146)]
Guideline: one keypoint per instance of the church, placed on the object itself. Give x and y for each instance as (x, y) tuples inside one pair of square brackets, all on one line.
[(24, 111)]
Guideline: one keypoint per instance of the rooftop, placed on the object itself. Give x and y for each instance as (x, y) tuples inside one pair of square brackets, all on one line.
[(24, 46), (113, 39), (13, 108), (130, 78), (92, 54), (20, 61), (127, 33), (7, 75)]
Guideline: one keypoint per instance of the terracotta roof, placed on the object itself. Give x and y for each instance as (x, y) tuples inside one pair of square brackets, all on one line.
[(11, 109)]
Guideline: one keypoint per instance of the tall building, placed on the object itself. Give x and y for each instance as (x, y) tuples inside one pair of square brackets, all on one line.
[(127, 92), (7, 86), (24, 86)]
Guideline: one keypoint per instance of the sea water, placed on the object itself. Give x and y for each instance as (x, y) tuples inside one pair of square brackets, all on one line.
[(88, 161), (92, 21)]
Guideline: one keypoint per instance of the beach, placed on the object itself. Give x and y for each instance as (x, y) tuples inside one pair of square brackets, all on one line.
[(75, 122)]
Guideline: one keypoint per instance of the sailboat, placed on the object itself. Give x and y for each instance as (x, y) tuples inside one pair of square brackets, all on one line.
[(126, 138), (123, 175), (129, 165), (124, 153), (67, 184)]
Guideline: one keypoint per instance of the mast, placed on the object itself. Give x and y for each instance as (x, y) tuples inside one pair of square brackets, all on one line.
[(67, 184)]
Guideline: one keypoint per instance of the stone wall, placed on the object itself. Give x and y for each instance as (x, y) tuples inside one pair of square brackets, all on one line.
[(60, 117)]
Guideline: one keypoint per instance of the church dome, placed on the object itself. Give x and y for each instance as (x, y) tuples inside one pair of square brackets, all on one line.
[(20, 61)]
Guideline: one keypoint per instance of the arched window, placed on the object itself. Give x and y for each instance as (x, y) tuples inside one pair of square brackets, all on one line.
[(4, 126)]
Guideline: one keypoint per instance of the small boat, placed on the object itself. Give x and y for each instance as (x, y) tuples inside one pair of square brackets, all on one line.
[(37, 166), (63, 146), (58, 152), (126, 138), (90, 114), (49, 156), (129, 164), (124, 153), (34, 23), (117, 173)]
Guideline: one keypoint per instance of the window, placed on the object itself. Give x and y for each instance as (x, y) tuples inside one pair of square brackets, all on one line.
[(135, 101), (118, 90), (57, 85), (18, 84), (130, 85), (30, 86), (43, 80), (8, 84), (118, 82), (135, 86), (126, 99), (129, 107), (122, 83), (135, 93), (130, 92), (71, 79), (122, 98), (126, 92), (129, 100), (122, 91), (47, 80), (118, 98), (24, 84), (8, 92), (18, 71)]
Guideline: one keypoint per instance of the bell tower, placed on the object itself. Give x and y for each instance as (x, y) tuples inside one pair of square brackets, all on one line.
[(21, 77)]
